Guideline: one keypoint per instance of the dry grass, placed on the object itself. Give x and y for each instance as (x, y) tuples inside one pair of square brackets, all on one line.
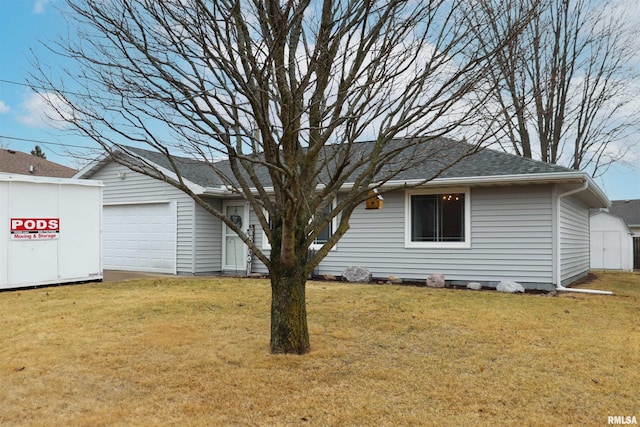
[(195, 352)]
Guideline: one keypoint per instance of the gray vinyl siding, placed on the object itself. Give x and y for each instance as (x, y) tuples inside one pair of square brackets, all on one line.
[(208, 239), (138, 188), (574, 239), (511, 239)]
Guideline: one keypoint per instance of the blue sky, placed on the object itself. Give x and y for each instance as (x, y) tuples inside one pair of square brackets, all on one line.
[(24, 23)]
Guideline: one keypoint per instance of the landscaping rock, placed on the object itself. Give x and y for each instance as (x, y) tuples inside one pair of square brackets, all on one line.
[(357, 274), (474, 286), (509, 286), (395, 280), (435, 281)]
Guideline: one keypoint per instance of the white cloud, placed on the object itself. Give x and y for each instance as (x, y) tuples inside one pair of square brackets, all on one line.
[(4, 108), (44, 110), (38, 6)]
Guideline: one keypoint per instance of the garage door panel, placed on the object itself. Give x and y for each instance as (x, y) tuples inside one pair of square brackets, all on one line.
[(140, 237)]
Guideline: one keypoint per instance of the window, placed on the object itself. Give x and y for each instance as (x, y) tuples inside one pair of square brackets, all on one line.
[(437, 219), (320, 240), (327, 231)]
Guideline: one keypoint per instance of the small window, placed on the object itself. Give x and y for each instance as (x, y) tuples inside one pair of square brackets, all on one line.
[(437, 219)]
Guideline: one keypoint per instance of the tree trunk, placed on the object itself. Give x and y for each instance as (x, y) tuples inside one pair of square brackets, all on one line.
[(289, 331)]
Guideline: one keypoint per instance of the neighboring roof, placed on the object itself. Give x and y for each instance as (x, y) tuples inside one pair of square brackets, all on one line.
[(484, 166), (17, 162), (629, 210)]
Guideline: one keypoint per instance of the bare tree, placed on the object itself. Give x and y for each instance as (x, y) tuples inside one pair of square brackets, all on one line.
[(561, 89), (283, 90)]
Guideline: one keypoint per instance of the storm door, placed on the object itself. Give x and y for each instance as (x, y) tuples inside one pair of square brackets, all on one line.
[(234, 250)]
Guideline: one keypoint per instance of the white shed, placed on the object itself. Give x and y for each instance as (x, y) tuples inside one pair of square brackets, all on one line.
[(611, 242), (50, 231)]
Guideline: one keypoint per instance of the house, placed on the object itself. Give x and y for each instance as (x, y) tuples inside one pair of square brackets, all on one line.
[(611, 242), (629, 211), (504, 218), (17, 162)]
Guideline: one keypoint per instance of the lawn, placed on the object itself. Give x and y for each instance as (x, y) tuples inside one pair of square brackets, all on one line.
[(195, 352)]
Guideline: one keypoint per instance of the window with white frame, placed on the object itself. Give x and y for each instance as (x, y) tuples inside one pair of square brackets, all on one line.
[(437, 219), (327, 231), (320, 240)]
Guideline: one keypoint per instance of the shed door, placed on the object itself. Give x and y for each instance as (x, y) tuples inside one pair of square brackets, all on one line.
[(612, 251), (140, 237), (606, 250)]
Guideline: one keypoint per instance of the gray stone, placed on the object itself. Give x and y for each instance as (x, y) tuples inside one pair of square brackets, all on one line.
[(357, 274), (475, 286), (435, 281), (509, 286), (394, 279)]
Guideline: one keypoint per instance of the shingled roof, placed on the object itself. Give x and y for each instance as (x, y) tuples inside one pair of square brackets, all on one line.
[(483, 163), (475, 167), (629, 210), (17, 162), (196, 171), (480, 163)]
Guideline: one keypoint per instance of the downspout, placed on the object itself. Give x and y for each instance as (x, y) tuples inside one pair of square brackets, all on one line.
[(558, 272)]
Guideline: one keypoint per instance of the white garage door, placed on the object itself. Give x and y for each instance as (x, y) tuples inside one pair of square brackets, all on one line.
[(140, 237)]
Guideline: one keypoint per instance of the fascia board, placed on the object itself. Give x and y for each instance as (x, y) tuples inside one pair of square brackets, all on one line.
[(216, 191), (540, 178), (498, 179), (597, 191), (577, 176), (558, 177), (469, 180), (102, 159), (8, 177)]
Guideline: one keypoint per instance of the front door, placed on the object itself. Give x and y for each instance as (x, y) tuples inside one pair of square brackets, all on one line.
[(234, 250)]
